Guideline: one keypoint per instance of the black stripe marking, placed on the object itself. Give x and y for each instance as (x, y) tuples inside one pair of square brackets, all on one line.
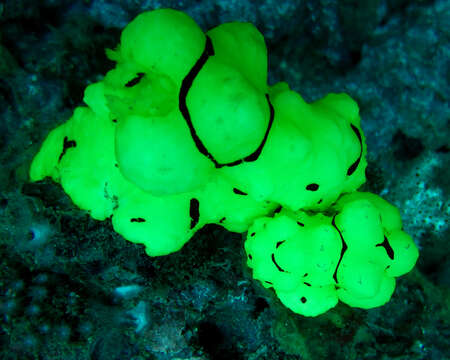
[(186, 85), (239, 192), (354, 166), (278, 266), (135, 80), (138, 220), (343, 250), (67, 144), (279, 243), (194, 212), (254, 156), (387, 247)]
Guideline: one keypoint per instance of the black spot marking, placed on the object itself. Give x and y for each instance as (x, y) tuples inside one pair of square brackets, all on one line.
[(67, 144), (278, 266), (279, 243), (277, 210), (116, 165), (194, 212), (252, 234), (239, 192), (222, 220), (306, 274), (301, 224), (250, 256), (137, 220), (312, 187), (307, 284), (319, 201), (343, 250), (354, 166), (387, 247), (135, 80), (114, 120), (186, 85), (303, 299)]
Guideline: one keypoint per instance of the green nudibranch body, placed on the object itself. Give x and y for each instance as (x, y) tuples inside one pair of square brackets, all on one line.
[(185, 131)]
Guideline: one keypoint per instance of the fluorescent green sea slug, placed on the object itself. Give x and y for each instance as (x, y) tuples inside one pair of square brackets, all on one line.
[(185, 131)]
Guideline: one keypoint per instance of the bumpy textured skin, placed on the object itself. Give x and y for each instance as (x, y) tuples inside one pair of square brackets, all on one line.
[(312, 261), (185, 131)]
